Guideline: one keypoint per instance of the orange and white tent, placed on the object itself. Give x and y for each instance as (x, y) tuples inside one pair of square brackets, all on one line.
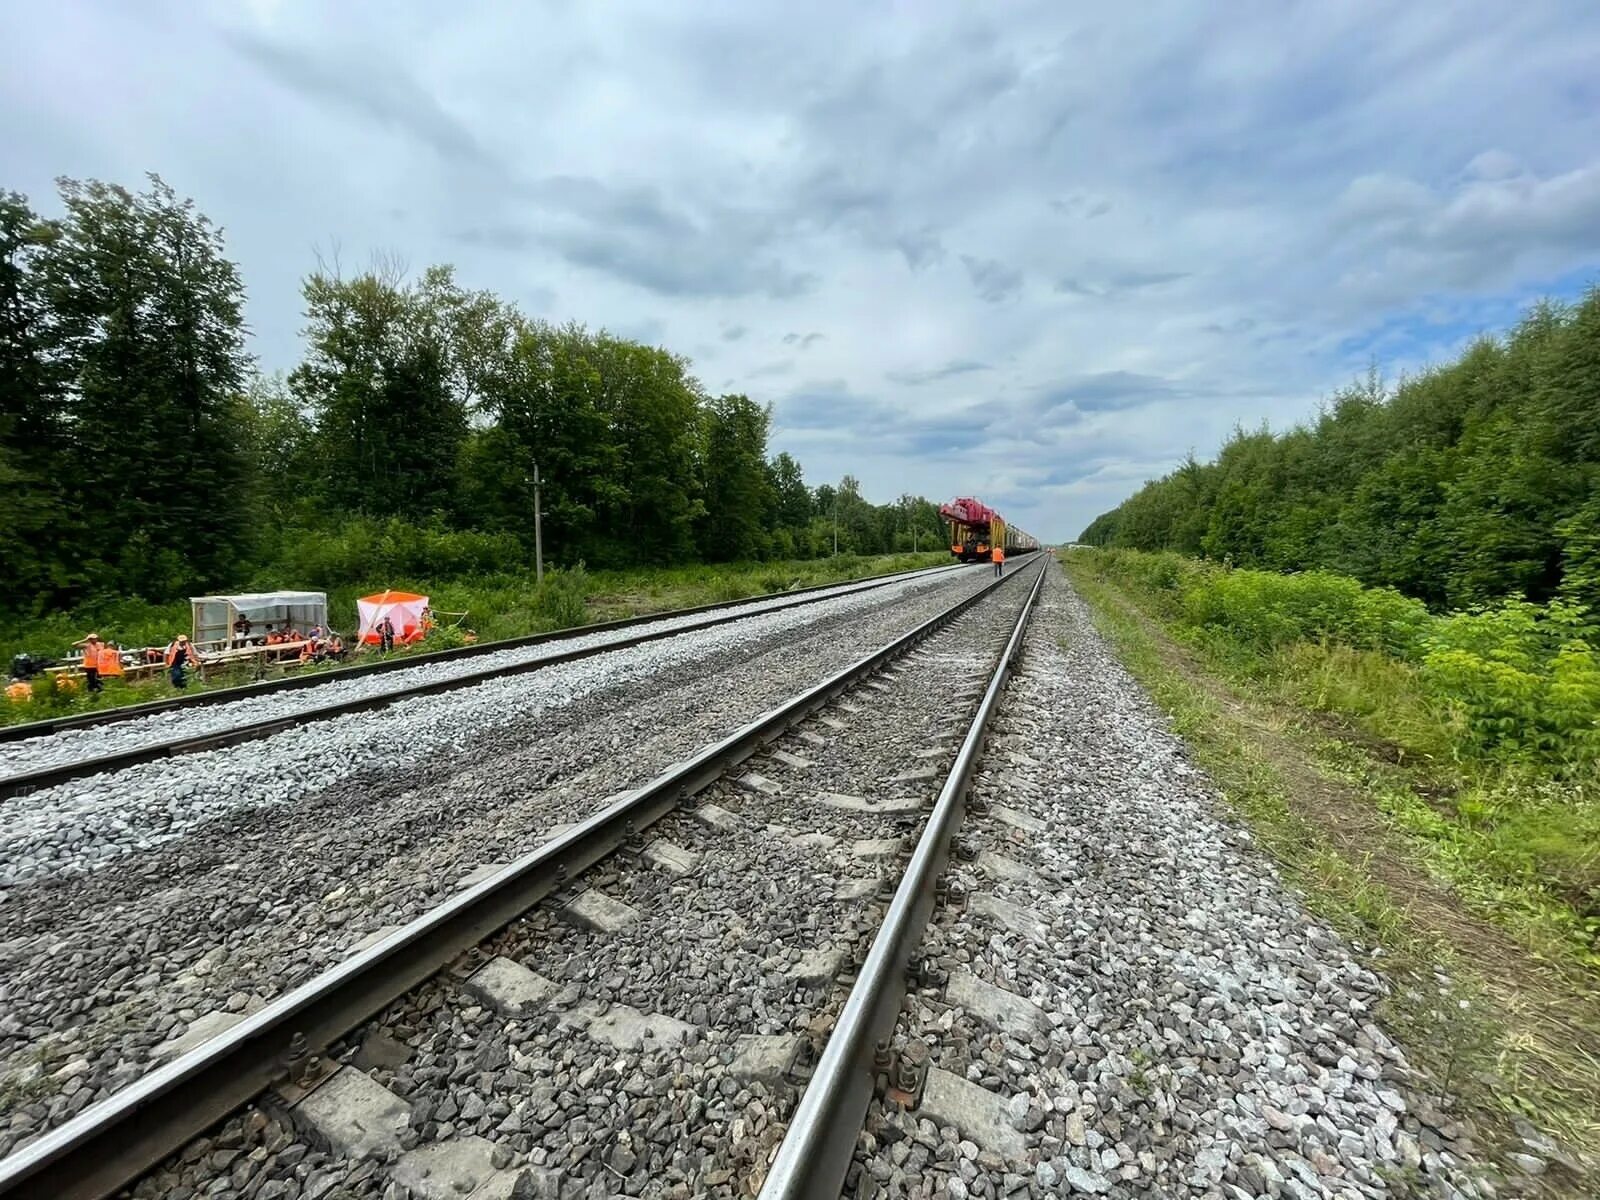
[(404, 610)]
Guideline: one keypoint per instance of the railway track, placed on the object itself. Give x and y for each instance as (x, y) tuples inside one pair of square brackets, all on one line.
[(22, 772), (133, 902), (642, 927)]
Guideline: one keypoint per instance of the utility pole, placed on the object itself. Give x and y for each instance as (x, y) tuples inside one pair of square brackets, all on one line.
[(538, 531), (836, 525)]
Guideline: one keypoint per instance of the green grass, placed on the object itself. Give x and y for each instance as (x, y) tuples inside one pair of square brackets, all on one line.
[(1515, 1030), (497, 607), (1517, 834)]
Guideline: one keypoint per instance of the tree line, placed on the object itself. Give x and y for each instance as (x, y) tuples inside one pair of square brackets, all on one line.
[(143, 454), (1467, 483)]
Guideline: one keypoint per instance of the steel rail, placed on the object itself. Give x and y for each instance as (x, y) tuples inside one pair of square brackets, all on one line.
[(112, 1142), (25, 782), (245, 691), (814, 1157)]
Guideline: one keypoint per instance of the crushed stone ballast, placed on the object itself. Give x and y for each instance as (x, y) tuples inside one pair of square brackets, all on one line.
[(108, 1143)]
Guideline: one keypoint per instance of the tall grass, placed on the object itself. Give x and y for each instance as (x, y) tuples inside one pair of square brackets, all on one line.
[(1492, 715), (1510, 683)]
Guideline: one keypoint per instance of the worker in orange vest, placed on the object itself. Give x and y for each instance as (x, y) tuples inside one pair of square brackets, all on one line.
[(110, 662), (92, 648), (998, 554), (179, 655)]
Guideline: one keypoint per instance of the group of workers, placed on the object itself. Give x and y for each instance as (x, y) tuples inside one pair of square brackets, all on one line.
[(102, 660), (99, 660), (316, 644)]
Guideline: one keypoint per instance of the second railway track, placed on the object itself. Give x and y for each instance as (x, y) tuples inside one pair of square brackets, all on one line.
[(653, 1026), (30, 760)]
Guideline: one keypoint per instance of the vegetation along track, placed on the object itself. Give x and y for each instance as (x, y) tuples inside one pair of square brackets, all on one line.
[(45, 754), (105, 1145)]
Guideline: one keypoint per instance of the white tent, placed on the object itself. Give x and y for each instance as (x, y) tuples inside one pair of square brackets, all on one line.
[(405, 610), (214, 615)]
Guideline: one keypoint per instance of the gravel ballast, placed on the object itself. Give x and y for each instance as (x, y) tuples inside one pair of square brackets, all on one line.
[(1130, 1002), (219, 879), (669, 993)]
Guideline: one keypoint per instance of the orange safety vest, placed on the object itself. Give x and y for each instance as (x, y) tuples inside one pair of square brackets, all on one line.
[(172, 653), (110, 661), (998, 554)]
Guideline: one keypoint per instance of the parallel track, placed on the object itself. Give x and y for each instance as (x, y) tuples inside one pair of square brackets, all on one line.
[(112, 1142), (247, 691), (24, 782)]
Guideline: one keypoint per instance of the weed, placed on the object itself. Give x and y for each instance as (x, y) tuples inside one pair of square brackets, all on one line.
[(562, 599)]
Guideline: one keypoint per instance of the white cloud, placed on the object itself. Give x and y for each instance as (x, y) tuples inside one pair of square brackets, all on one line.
[(1031, 252)]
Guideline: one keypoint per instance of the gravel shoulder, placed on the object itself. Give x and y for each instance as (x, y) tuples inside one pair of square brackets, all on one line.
[(1130, 1002), (1507, 1018)]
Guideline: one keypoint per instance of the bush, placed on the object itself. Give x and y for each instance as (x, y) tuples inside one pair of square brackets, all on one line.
[(1266, 611), (1522, 680), (1517, 682), (562, 599), (729, 587), (363, 548), (446, 637), (1393, 623), (1163, 572), (773, 582)]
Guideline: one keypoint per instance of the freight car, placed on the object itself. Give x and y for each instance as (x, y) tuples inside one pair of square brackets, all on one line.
[(975, 529)]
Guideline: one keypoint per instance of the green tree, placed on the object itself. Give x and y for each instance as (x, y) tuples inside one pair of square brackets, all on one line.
[(37, 537), (381, 378), (279, 439), (614, 429), (1461, 485), (791, 499), (651, 405), (148, 327), (853, 516), (738, 489)]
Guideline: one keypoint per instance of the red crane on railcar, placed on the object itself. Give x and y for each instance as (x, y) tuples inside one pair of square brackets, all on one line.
[(975, 529)]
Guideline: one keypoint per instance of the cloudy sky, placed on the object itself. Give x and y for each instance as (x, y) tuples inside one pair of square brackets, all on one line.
[(1031, 252)]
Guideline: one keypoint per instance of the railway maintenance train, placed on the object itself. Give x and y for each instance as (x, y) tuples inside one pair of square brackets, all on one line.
[(975, 529)]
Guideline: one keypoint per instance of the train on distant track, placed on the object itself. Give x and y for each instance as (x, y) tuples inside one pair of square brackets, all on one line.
[(976, 529)]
